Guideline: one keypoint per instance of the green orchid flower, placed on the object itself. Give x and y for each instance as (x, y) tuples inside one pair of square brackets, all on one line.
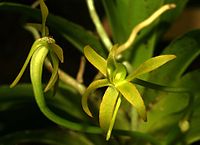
[(55, 53), (119, 84), (45, 43)]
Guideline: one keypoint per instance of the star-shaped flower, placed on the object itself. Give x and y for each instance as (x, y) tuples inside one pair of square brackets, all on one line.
[(119, 84)]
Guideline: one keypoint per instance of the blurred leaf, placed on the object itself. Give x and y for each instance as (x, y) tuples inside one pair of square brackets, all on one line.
[(186, 48), (74, 33), (64, 101), (191, 81), (49, 137), (163, 105), (124, 15)]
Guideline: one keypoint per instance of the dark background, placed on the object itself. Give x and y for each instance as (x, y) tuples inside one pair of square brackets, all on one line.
[(15, 42)]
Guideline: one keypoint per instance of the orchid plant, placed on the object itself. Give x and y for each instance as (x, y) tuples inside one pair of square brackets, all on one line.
[(117, 73)]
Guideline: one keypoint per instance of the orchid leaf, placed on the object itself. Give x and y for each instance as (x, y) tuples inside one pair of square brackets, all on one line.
[(58, 51), (95, 59), (94, 85), (150, 65), (74, 33), (54, 76), (107, 108), (130, 92)]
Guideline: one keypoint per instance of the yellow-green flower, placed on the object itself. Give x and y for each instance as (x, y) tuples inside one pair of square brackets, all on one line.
[(119, 84)]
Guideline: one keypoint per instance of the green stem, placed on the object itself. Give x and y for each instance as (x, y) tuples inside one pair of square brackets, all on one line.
[(93, 14), (33, 31), (36, 77)]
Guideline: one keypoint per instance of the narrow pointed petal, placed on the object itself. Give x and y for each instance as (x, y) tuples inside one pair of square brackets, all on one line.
[(130, 92), (150, 65), (95, 59), (111, 63), (58, 51), (113, 118), (107, 108), (34, 47), (54, 75), (45, 13), (93, 86)]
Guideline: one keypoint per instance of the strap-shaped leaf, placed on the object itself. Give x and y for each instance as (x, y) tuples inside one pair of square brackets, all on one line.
[(58, 51), (37, 44), (130, 92), (107, 108), (94, 85), (95, 59), (54, 75), (150, 65)]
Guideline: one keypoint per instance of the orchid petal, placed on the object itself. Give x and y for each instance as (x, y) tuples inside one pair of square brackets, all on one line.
[(95, 59), (37, 44), (150, 65), (45, 13), (107, 108), (58, 51), (130, 92), (111, 62), (54, 76), (94, 85), (113, 118)]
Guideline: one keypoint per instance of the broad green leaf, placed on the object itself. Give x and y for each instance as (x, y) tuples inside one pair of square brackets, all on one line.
[(94, 85), (130, 92), (107, 107), (186, 48), (149, 65), (191, 81), (54, 75), (74, 33), (58, 51), (95, 59), (125, 15)]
